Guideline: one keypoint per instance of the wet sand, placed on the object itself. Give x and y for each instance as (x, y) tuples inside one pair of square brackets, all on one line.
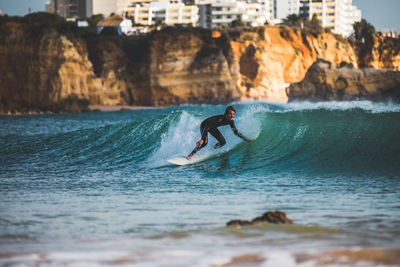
[(344, 257)]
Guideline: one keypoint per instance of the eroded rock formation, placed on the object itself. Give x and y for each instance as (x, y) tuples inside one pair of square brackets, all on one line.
[(324, 82), (41, 70), (271, 58), (46, 71)]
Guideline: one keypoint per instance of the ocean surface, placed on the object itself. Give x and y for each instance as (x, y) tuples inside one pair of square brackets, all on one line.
[(95, 189)]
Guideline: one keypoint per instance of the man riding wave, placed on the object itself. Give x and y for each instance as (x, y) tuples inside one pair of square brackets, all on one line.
[(211, 124)]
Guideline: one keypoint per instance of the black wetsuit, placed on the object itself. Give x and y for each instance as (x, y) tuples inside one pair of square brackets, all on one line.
[(210, 125)]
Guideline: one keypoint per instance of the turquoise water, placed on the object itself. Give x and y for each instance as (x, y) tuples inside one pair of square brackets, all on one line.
[(95, 188)]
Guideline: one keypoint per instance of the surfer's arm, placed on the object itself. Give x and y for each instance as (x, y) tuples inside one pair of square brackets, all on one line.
[(237, 133)]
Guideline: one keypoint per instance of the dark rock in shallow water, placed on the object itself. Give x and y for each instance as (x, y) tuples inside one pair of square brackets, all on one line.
[(239, 222), (276, 217)]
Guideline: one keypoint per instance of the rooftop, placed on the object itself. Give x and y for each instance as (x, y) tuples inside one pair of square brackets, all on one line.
[(113, 20)]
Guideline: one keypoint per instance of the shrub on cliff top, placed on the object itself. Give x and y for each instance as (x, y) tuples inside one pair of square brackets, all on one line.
[(237, 23), (312, 26), (40, 21), (364, 34), (292, 20), (43, 19), (363, 31)]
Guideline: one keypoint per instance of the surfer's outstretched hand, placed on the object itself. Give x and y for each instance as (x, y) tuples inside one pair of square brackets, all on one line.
[(248, 140)]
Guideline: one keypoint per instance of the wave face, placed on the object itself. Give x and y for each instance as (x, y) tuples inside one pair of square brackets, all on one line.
[(349, 137), (101, 181)]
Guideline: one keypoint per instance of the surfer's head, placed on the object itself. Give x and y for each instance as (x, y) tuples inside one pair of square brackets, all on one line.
[(230, 113)]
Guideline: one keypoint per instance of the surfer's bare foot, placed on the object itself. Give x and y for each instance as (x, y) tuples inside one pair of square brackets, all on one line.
[(189, 157)]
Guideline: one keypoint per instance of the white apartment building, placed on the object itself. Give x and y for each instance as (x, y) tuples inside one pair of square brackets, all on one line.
[(336, 15), (217, 13), (257, 12), (149, 12)]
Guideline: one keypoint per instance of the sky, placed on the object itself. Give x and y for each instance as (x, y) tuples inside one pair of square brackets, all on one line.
[(383, 14)]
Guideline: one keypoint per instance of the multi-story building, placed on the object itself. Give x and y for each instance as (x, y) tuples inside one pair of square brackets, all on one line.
[(205, 15), (224, 12), (336, 15), (256, 13), (219, 13), (169, 12), (69, 8), (84, 8)]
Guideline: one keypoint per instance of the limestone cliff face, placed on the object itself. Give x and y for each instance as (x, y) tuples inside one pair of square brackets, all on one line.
[(192, 67), (110, 66), (168, 67), (271, 58), (325, 82), (43, 71)]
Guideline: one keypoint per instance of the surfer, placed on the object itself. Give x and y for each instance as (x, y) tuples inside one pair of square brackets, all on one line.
[(211, 124)]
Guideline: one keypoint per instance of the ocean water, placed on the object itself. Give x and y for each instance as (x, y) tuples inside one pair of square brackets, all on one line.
[(96, 189)]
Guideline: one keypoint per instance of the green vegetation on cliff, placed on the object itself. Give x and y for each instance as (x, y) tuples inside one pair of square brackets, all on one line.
[(44, 21), (364, 34), (312, 26)]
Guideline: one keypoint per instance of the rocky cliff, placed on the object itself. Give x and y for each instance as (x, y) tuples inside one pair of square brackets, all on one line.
[(172, 66), (325, 82), (271, 58), (43, 70)]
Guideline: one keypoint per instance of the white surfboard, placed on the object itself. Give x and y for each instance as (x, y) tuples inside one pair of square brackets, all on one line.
[(180, 161), (183, 161)]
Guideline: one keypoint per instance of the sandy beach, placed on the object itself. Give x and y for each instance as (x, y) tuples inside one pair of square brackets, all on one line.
[(117, 107)]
